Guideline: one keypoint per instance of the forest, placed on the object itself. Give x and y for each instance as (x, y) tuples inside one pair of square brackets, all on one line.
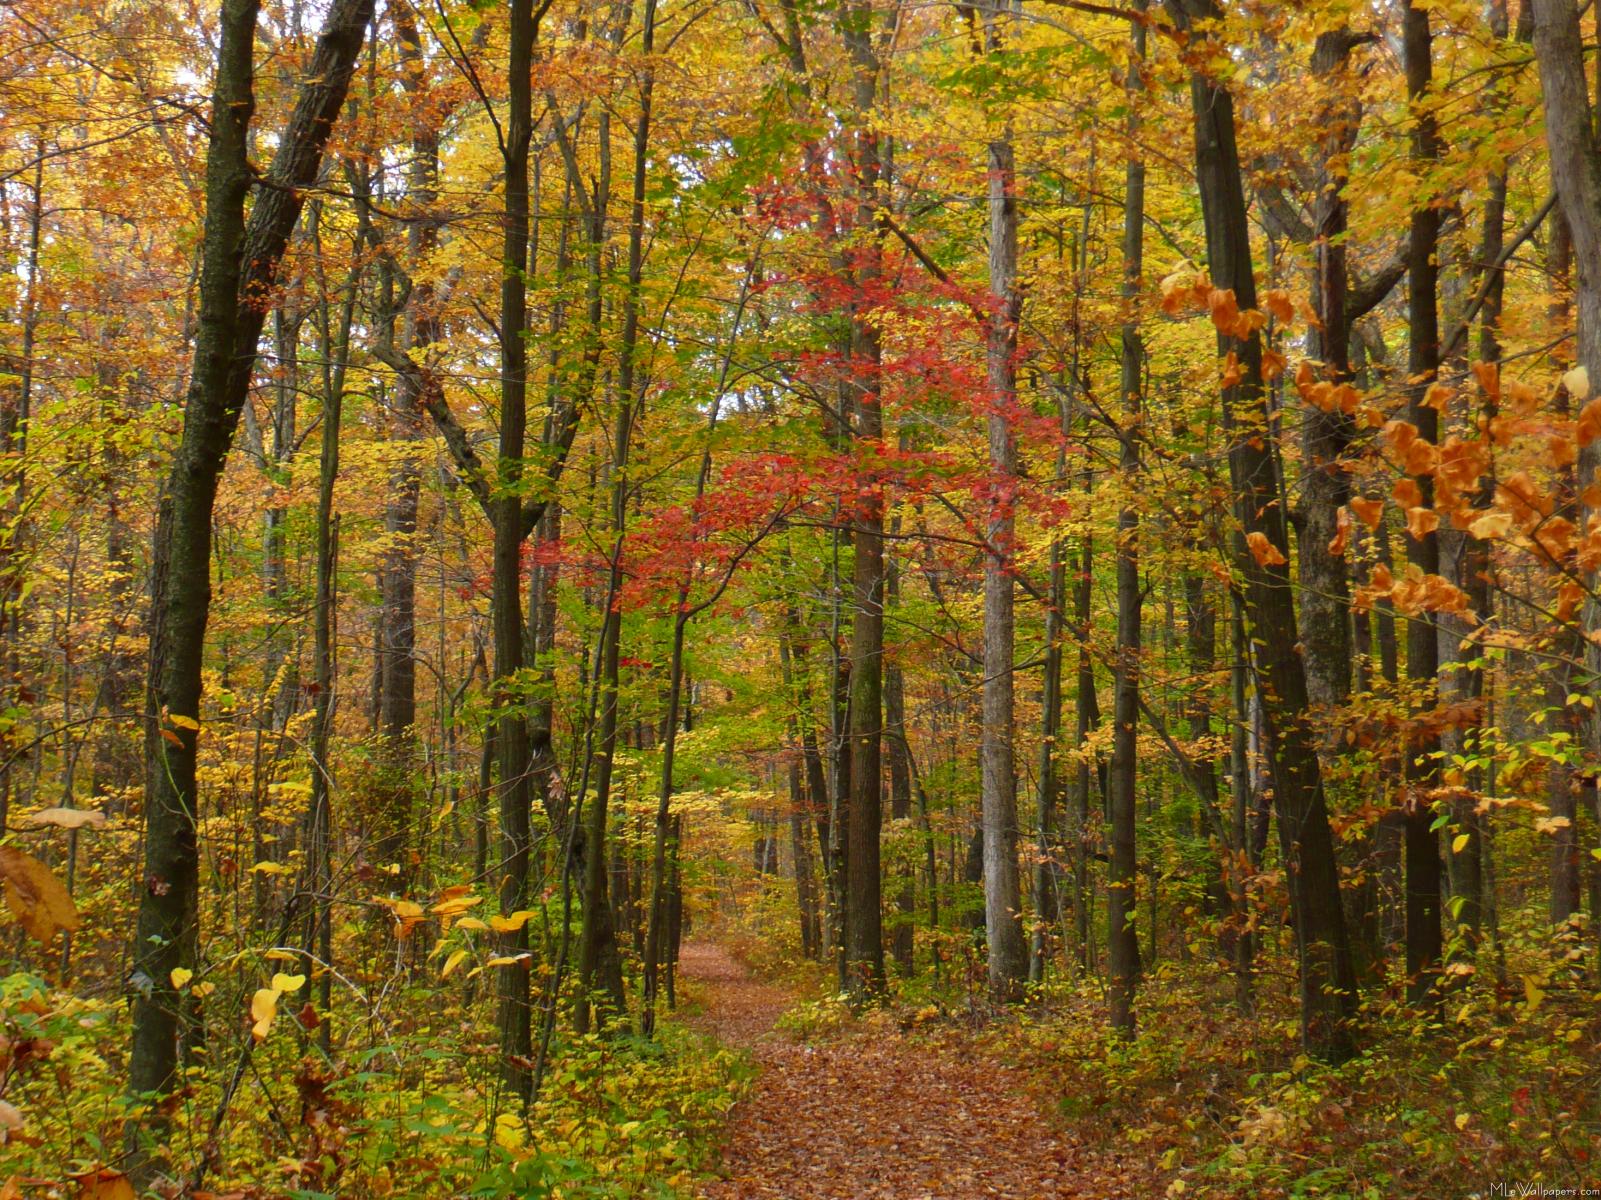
[(809, 599)]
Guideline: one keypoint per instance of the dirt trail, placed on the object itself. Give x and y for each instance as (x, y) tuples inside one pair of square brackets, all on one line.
[(870, 1115)]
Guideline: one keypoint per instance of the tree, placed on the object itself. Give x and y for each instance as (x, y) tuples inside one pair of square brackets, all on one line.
[(239, 266)]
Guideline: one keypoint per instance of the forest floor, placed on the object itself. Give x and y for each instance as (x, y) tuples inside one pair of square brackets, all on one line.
[(875, 1112)]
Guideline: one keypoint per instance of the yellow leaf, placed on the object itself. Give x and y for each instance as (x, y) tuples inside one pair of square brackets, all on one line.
[(456, 904), (1462, 1120), (1577, 381), (507, 924), (262, 1007), (471, 923), (182, 722), (1533, 992), (36, 897), (180, 976), (452, 963), (509, 1132), (1493, 524), (287, 983), (1459, 842), (505, 960)]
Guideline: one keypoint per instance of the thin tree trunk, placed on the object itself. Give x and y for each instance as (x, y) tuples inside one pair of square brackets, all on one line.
[(1422, 841), (1003, 918), (600, 967), (1122, 895)]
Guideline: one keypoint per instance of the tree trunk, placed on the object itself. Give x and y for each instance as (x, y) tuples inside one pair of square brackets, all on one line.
[(1122, 891), (1576, 171), (1328, 986), (600, 965), (1087, 716), (1422, 840), (900, 784), (864, 938), (1003, 917), (1327, 432), (239, 264)]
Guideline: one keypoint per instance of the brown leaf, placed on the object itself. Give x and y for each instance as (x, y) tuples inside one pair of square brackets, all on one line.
[(103, 1183), (66, 818), (35, 896)]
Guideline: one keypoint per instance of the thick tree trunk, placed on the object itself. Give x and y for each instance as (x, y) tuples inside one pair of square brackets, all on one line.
[(397, 572), (864, 939), (1327, 432), (1328, 986), (239, 264), (1576, 170), (513, 1010)]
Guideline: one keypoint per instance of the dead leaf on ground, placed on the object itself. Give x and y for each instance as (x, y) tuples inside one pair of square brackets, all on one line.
[(103, 1183)]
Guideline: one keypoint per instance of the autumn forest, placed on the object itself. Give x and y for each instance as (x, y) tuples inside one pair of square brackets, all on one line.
[(808, 599)]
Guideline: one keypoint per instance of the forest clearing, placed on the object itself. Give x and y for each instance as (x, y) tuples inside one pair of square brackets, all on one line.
[(800, 599)]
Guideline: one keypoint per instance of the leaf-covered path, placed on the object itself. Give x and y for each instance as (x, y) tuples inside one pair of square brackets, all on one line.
[(869, 1115)]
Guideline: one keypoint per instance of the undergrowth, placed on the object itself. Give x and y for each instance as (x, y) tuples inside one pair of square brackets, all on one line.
[(417, 1113)]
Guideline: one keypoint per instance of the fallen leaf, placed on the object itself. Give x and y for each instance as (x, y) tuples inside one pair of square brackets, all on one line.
[(103, 1183)]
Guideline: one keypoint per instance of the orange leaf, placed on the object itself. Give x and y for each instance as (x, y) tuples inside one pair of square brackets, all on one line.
[(1422, 458), (1247, 323), (1277, 301), (1408, 494), (1491, 524), (1342, 532), (1488, 375), (36, 897), (1225, 309), (103, 1183), (1420, 522), (1367, 510), (1589, 428), (1233, 372), (1264, 551)]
